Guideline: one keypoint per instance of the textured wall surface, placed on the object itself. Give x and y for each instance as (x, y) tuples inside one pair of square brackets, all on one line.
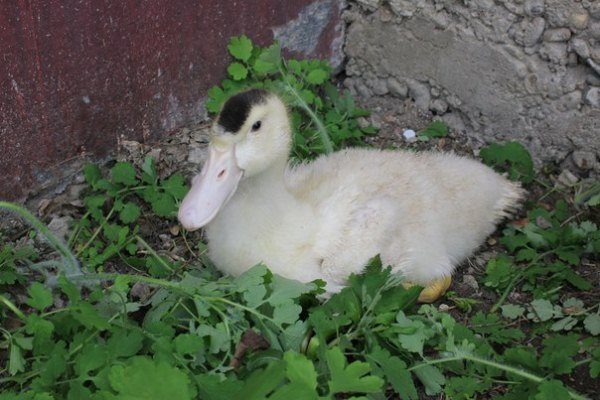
[(496, 69), (78, 76)]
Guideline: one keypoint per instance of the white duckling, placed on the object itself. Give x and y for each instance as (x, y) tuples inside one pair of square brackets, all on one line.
[(422, 213)]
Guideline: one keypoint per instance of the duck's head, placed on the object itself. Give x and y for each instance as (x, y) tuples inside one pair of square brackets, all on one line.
[(251, 134)]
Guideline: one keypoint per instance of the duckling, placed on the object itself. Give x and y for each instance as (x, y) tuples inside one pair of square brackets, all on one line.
[(423, 213)]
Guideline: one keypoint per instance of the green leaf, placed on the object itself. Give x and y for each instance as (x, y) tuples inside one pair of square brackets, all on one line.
[(565, 324), (149, 170), (463, 387), (129, 213), (175, 186), (512, 157), (396, 372), (144, 379), (269, 60), (415, 333), (188, 344), (595, 364), (435, 129), (237, 71), (216, 97), (350, 378), (262, 382), (432, 379), (300, 370), (89, 317), (16, 362), (164, 205), (512, 311), (558, 353), (92, 174), (544, 309), (592, 324), (552, 390), (123, 172), (317, 76), (39, 297), (240, 47)]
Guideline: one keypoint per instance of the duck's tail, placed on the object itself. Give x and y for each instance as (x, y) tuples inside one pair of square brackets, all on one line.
[(510, 201)]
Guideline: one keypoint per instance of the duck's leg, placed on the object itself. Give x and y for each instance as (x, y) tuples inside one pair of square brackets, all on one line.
[(434, 290)]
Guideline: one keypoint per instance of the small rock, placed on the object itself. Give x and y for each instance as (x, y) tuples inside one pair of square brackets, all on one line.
[(554, 52), (454, 101), (579, 21), (594, 10), (543, 222), (155, 153), (375, 120), (409, 135), (363, 90), (572, 60), (166, 240), (584, 159), (60, 226), (420, 93), (595, 66), (76, 190), (397, 88), (580, 47), (403, 8), (534, 8), (378, 86), (439, 106), (443, 307), (174, 229), (593, 79), (557, 35), (571, 101), (592, 97), (370, 5), (528, 33), (362, 122), (471, 282), (492, 241), (141, 291), (43, 205), (594, 30), (566, 179)]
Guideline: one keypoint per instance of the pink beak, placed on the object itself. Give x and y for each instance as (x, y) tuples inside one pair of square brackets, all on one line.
[(211, 189)]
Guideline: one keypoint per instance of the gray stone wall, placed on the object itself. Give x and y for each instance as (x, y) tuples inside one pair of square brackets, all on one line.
[(527, 70)]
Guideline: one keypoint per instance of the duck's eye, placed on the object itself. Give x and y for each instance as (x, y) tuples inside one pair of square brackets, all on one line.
[(256, 126)]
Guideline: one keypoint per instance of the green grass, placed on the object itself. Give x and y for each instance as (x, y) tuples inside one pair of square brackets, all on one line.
[(107, 315)]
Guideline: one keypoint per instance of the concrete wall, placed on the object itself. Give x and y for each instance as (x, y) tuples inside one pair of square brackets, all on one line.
[(497, 69), (79, 76)]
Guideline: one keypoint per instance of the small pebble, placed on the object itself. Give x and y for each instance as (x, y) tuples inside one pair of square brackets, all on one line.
[(174, 229), (409, 135), (443, 307), (471, 282), (566, 178)]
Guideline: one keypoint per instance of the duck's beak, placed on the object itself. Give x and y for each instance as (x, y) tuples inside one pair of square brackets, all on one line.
[(212, 188)]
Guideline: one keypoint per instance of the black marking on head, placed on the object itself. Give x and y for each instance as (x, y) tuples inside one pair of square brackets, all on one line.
[(237, 108)]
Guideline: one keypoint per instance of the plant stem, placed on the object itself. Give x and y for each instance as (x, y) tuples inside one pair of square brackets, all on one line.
[(513, 282), (153, 253), (97, 232), (503, 367), (72, 265), (320, 126), (12, 307)]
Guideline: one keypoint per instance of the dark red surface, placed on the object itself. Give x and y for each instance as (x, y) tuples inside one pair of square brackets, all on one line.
[(76, 76)]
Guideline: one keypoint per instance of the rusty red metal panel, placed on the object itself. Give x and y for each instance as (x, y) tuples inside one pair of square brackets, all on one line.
[(77, 75)]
